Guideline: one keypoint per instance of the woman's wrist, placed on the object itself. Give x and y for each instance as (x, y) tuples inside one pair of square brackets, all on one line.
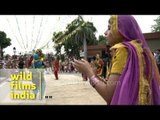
[(93, 80), (90, 74)]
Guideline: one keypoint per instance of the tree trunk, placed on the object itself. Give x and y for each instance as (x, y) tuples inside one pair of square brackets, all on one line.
[(85, 47)]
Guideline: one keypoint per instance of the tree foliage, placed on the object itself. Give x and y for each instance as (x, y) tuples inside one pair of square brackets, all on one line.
[(4, 42), (101, 40), (74, 36), (156, 26)]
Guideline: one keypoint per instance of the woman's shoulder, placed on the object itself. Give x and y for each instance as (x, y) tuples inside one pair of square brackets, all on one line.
[(119, 49), (118, 45)]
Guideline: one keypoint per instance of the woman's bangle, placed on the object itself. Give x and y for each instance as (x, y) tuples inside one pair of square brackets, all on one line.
[(93, 80)]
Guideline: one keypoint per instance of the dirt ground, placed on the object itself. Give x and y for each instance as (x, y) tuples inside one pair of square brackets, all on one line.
[(70, 89)]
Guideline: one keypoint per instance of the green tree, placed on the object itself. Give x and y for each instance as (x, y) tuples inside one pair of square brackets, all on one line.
[(101, 40), (4, 42), (79, 33), (71, 48), (57, 37), (57, 42), (156, 26), (87, 33), (57, 48)]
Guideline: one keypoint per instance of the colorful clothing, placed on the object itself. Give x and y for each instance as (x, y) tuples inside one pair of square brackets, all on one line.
[(36, 63), (119, 59), (56, 68), (132, 59), (99, 67)]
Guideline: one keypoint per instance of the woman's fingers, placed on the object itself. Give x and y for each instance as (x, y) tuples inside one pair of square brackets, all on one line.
[(77, 66), (83, 60), (82, 66), (76, 62)]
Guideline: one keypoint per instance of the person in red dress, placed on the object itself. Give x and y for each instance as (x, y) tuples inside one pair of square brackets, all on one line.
[(99, 65), (56, 67)]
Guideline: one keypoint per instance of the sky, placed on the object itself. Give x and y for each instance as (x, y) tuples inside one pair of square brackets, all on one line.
[(35, 31)]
